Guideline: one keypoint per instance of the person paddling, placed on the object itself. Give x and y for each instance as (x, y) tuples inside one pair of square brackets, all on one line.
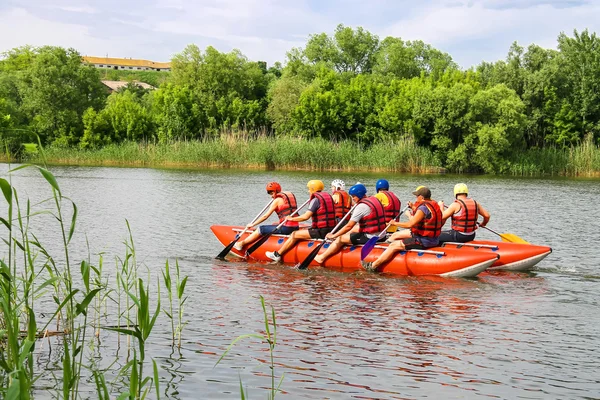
[(464, 212), (341, 199), (391, 203), (322, 210), (422, 230), (368, 214), (284, 205)]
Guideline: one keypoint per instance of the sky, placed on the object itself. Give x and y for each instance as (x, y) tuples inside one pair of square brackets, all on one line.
[(470, 31)]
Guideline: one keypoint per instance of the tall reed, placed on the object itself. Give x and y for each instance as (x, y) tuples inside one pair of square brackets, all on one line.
[(270, 338), (28, 271), (262, 152)]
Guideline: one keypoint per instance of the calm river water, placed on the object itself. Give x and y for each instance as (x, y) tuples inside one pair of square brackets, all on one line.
[(340, 335)]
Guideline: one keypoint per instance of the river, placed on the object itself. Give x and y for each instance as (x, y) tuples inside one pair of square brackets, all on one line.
[(340, 335)]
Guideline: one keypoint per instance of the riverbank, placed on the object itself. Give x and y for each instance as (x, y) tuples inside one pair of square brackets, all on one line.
[(319, 155)]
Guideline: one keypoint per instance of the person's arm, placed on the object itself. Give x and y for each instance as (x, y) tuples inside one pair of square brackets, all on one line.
[(300, 218), (313, 206), (266, 215), (414, 220), (342, 231), (484, 213), (336, 198), (450, 211)]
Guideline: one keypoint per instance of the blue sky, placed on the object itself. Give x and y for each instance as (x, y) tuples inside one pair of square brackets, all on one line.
[(471, 31)]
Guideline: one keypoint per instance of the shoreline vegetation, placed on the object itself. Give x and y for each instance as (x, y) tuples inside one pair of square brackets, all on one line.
[(287, 153), (346, 101)]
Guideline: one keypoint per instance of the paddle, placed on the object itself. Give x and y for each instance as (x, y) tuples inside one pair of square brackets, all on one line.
[(227, 249), (304, 264), (370, 245), (507, 237), (266, 237)]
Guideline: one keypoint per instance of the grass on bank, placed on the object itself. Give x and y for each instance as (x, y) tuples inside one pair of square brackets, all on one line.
[(230, 151), (260, 153)]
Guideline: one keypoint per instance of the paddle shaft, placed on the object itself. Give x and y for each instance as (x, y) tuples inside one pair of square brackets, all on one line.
[(227, 249), (370, 245), (263, 239), (314, 253)]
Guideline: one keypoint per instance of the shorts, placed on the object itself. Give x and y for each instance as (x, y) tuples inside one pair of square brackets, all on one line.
[(362, 238), (318, 233), (455, 236), (284, 230), (412, 243)]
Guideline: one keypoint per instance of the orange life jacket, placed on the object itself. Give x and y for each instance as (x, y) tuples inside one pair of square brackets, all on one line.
[(466, 221), (375, 221), (324, 217), (393, 208), (344, 205), (287, 208), (428, 227)]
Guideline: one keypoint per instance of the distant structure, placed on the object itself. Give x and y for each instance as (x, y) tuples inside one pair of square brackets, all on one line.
[(126, 64), (113, 86)]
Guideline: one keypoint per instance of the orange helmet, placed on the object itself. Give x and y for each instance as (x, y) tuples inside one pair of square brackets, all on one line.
[(273, 187)]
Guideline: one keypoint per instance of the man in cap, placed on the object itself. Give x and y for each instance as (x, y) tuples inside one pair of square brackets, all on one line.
[(421, 231)]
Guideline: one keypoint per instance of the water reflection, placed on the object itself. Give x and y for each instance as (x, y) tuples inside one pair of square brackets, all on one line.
[(346, 335)]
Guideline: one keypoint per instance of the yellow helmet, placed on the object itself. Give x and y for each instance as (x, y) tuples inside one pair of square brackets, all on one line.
[(460, 188), (315, 185)]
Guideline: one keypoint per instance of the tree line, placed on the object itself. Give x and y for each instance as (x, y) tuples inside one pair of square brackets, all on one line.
[(349, 85)]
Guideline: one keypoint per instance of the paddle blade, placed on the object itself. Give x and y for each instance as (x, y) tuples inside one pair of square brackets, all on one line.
[(370, 245), (257, 244), (226, 250), (512, 238), (304, 264)]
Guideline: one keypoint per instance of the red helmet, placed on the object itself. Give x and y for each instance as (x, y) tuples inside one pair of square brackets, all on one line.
[(273, 187)]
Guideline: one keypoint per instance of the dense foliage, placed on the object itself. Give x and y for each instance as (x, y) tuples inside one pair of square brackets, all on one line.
[(347, 86)]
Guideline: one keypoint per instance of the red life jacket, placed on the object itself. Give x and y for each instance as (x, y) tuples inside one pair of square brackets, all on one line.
[(344, 205), (428, 227), (324, 217), (287, 208), (393, 208), (467, 220), (375, 221)]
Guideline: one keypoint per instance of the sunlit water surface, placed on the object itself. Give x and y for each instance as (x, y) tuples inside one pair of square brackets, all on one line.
[(341, 335)]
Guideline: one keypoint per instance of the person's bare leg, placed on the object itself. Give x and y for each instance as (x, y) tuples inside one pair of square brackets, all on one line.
[(403, 234), (251, 239), (292, 240), (333, 248), (388, 254)]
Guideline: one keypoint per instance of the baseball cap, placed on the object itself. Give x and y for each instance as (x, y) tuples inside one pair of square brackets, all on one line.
[(422, 191)]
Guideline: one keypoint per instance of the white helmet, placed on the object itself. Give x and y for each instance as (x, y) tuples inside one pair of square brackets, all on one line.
[(338, 184)]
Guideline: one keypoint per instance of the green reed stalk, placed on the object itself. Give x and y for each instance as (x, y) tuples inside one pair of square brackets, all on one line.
[(270, 337), (169, 313), (180, 285), (140, 330)]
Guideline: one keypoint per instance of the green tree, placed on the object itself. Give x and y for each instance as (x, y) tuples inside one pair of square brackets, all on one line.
[(123, 118), (580, 61), (284, 97), (179, 113), (348, 50), (56, 90)]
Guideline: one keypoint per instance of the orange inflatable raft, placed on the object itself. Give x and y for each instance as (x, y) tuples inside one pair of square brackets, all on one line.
[(448, 262), (513, 256)]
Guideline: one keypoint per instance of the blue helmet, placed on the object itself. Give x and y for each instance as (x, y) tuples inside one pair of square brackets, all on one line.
[(359, 190), (382, 184)]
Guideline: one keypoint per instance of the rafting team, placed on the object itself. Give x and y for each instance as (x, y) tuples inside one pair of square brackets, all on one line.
[(352, 217)]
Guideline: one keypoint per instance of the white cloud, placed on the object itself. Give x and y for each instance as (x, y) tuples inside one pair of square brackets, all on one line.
[(469, 30), (18, 27), (459, 26), (82, 9)]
